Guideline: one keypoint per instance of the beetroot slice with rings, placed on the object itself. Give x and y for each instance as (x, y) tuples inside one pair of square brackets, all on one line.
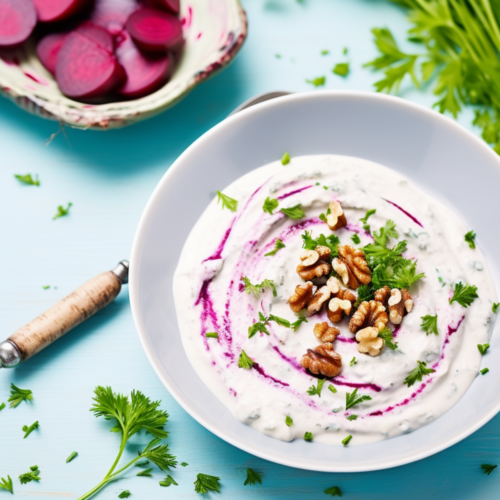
[(86, 70), (48, 48), (57, 10), (97, 34), (154, 30), (17, 21), (172, 6), (145, 74)]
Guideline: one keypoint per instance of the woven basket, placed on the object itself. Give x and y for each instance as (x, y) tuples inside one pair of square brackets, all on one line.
[(214, 31)]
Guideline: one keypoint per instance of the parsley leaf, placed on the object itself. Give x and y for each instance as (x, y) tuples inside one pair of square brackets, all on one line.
[(464, 294), (169, 480), (145, 473), (32, 475), (482, 348), (355, 239), (331, 388), (333, 491), (280, 321), (353, 361), (347, 440), (212, 335), (388, 336), (365, 294), (259, 287), (227, 201), (488, 469), (205, 483), (364, 219), (417, 373), (313, 390), (295, 212), (352, 417), (317, 82), (2, 406), (184, 464), (270, 205), (295, 325), (124, 494), (388, 231), (495, 307), (308, 436), (325, 52), (244, 361), (469, 238), (6, 484), (278, 245), (258, 326), (17, 396), (351, 399), (484, 371), (401, 274), (430, 324), (28, 430), (252, 477), (289, 421), (71, 457), (285, 159), (341, 69), (331, 241), (61, 211), (27, 179)]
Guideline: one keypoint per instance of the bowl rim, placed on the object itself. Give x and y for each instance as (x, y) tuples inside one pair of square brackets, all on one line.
[(135, 271)]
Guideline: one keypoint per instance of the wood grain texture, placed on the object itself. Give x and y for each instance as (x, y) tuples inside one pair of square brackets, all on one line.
[(66, 314)]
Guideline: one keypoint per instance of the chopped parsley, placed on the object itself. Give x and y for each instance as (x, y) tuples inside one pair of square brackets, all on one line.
[(322, 217), (61, 211), (484, 371), (124, 494), (295, 325), (2, 406), (351, 399), (470, 239), (308, 436), (495, 307), (28, 430), (6, 484), (212, 335), (316, 390), (244, 361), (352, 417), (387, 335), (430, 324), (364, 219), (258, 326), (345, 51), (347, 440), (285, 159), (333, 491), (355, 239), (145, 473), (278, 245), (253, 477), (482, 348), (289, 421), (385, 233), (32, 475), (331, 241), (259, 287), (168, 481), (325, 52), (205, 483), (365, 293), (317, 82), (464, 294), (17, 396), (341, 69), (227, 202), (71, 457), (270, 205), (28, 179), (353, 361), (281, 321), (46, 287), (332, 388), (488, 469), (295, 212), (184, 464), (417, 373)]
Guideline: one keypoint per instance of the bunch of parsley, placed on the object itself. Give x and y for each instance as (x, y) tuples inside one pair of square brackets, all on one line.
[(458, 47)]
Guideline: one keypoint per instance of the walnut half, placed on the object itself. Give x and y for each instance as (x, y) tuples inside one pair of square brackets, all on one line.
[(369, 314), (335, 217), (352, 267), (301, 297), (325, 332), (319, 298), (400, 303), (369, 341), (323, 360), (314, 263)]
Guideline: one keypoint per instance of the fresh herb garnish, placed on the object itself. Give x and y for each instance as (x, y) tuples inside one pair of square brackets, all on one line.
[(322, 217), (278, 245), (2, 406), (184, 464), (417, 373), (258, 326), (61, 211), (32, 475), (28, 179), (6, 484), (341, 69), (495, 307), (464, 294), (364, 219), (205, 483), (351, 399), (365, 293), (484, 371), (469, 238), (144, 463), (244, 360), (124, 494), (17, 396), (295, 325), (482, 348), (145, 473), (169, 480), (285, 159), (332, 388), (71, 457), (352, 417), (355, 239), (331, 241), (28, 430), (212, 335), (316, 390), (346, 440), (388, 336), (317, 82), (270, 205), (252, 477), (46, 287), (353, 361), (259, 287), (488, 469), (325, 52), (308, 436), (289, 421), (333, 491), (382, 237), (430, 324), (295, 212), (227, 202)]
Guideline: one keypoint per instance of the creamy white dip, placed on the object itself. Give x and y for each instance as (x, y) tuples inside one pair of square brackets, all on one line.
[(225, 246)]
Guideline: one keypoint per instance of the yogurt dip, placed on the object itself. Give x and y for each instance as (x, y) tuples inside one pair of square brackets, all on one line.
[(226, 246)]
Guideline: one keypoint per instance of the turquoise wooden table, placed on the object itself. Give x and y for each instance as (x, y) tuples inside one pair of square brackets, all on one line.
[(108, 176)]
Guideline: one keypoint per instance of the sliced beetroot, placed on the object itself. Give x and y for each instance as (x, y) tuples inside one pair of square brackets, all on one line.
[(17, 21), (145, 74), (97, 34), (48, 48), (172, 6), (50, 11), (86, 70), (154, 30)]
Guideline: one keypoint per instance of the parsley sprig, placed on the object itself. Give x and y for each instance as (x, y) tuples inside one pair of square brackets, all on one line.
[(227, 202), (61, 211), (482, 348), (464, 294), (429, 324), (488, 469), (6, 484), (29, 429), (331, 241), (205, 483), (417, 373), (168, 481), (259, 287), (470, 239), (244, 361), (352, 399), (295, 212), (28, 180), (333, 491), (278, 245), (253, 477), (17, 396), (32, 475), (270, 205), (388, 337), (316, 390)]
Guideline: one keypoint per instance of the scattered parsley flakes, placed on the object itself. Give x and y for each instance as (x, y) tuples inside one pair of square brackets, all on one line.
[(325, 52), (145, 473), (2, 406), (124, 494), (227, 201), (351, 399), (332, 388), (488, 469), (289, 421), (482, 348), (6, 484), (258, 326), (352, 417), (322, 217), (71, 457), (281, 321), (365, 294), (495, 307), (244, 361), (28, 180), (295, 325), (32, 475), (169, 480), (464, 294), (205, 483), (430, 324), (278, 245), (364, 219), (253, 477), (317, 82), (28, 430), (61, 211), (345, 51), (308, 436), (341, 69), (469, 238), (295, 212), (484, 371), (212, 335), (17, 396), (313, 390), (333, 491), (259, 287), (356, 239), (285, 159), (270, 205), (347, 440), (184, 464), (417, 373), (353, 361), (46, 287), (387, 335)]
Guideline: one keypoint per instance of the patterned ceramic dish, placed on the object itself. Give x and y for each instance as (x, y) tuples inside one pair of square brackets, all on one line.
[(214, 31)]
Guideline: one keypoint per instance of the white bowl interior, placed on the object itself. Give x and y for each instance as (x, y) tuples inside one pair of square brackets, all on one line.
[(432, 150)]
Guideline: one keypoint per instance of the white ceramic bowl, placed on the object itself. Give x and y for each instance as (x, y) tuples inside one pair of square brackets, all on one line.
[(432, 150), (214, 31)]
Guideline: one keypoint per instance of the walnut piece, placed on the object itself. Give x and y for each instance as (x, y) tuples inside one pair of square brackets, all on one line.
[(316, 270), (319, 298), (352, 267), (309, 257), (323, 360), (301, 297), (400, 303), (325, 332), (337, 308), (407, 299), (382, 294), (335, 217), (369, 341), (369, 314)]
